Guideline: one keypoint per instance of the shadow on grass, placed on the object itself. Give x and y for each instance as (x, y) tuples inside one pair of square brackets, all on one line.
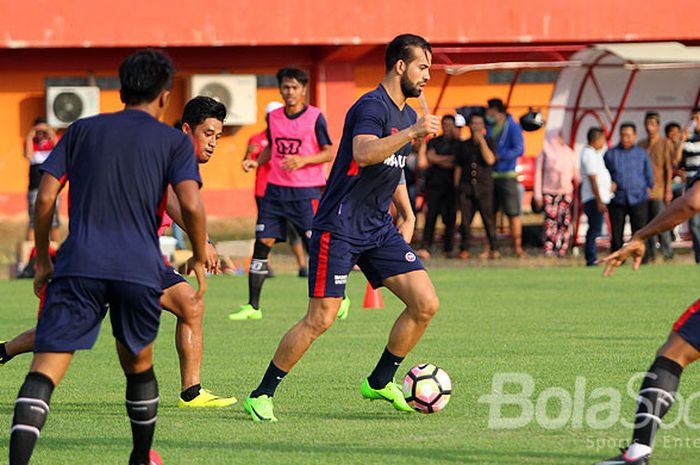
[(290, 452)]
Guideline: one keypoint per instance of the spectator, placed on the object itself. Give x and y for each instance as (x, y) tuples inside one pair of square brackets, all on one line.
[(439, 186), (632, 177), (256, 144), (556, 173), (474, 184), (595, 190), (507, 136), (690, 142), (38, 144), (673, 133), (661, 153)]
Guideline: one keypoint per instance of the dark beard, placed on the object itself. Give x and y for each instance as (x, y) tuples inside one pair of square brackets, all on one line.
[(408, 88)]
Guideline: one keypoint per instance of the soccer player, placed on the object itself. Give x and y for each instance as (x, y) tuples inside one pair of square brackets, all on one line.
[(299, 147), (202, 121), (353, 226), (119, 166), (256, 144), (682, 347)]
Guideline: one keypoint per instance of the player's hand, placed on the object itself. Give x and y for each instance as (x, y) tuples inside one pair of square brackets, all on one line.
[(406, 229), (199, 269), (249, 165), (293, 162), (43, 272), (634, 248), (212, 264), (426, 125)]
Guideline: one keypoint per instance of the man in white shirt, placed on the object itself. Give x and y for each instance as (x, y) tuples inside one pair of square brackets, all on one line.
[(596, 190)]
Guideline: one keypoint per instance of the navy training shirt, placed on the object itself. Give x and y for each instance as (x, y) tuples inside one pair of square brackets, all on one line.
[(119, 166), (355, 204)]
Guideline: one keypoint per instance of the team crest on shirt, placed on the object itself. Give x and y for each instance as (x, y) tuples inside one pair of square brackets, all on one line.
[(394, 131), (410, 257), (287, 146)]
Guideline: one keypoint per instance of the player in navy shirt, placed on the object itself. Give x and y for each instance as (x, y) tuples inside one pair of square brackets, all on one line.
[(353, 226), (202, 120), (119, 166)]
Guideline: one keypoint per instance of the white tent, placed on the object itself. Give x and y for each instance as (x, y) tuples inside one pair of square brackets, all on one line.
[(612, 83)]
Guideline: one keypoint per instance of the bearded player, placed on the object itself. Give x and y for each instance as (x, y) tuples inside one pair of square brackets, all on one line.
[(353, 226)]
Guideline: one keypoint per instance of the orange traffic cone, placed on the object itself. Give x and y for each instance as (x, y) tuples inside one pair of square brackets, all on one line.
[(373, 298)]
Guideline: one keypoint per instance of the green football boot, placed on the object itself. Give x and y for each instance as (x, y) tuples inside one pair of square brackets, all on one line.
[(246, 312), (391, 393), (260, 408)]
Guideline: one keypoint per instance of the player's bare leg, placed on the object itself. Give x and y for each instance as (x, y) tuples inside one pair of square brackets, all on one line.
[(319, 317), (32, 404), (189, 341), (677, 349), (296, 342), (20, 344), (416, 291)]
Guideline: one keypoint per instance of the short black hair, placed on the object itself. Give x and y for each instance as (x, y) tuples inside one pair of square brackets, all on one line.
[(670, 126), (497, 104), (476, 114), (200, 108), (144, 75), (450, 117), (39, 120), (696, 110), (594, 133), (401, 48), (653, 115), (292, 73), (628, 124)]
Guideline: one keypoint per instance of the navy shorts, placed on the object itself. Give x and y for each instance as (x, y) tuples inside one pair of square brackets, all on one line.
[(688, 325), (75, 307), (274, 215), (331, 259), (171, 277)]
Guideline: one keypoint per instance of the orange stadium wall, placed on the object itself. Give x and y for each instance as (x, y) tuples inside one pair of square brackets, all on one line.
[(228, 190)]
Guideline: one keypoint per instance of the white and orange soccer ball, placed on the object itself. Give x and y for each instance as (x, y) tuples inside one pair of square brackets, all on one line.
[(427, 388)]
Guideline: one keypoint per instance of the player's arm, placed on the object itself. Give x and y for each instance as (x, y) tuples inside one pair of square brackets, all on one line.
[(369, 149), (194, 219), (295, 162), (172, 208), (44, 208), (406, 222), (264, 157), (680, 210), (444, 161)]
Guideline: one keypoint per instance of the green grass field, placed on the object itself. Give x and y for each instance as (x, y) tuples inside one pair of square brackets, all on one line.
[(554, 324)]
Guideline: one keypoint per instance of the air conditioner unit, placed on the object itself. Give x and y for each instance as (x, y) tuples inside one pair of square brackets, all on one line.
[(67, 104), (237, 91)]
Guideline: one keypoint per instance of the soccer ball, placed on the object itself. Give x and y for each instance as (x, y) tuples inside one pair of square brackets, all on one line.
[(427, 388)]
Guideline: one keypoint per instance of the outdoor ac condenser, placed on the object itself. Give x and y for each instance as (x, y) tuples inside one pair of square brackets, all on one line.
[(237, 91), (67, 104)]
